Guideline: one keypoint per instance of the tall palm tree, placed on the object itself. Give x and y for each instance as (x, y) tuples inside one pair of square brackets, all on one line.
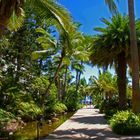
[(69, 48), (112, 46), (134, 54), (134, 60)]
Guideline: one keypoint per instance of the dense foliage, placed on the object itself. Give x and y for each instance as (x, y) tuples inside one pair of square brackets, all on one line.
[(39, 53), (5, 116), (126, 123), (35, 75)]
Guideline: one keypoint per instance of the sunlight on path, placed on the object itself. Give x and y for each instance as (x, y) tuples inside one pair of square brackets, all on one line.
[(87, 123)]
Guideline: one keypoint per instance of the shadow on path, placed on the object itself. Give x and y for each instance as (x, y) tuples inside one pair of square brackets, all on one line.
[(90, 119), (98, 134), (87, 123)]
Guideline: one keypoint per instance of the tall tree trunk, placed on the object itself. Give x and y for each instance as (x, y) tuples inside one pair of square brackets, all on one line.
[(134, 60), (58, 85), (78, 77), (65, 82), (121, 81), (56, 72)]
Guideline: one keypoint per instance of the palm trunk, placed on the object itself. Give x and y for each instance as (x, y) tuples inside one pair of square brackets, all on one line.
[(58, 85), (6, 9), (134, 60), (65, 83), (56, 72), (78, 76), (121, 81)]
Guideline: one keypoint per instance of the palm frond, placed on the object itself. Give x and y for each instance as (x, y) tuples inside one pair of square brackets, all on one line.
[(15, 22), (100, 29), (112, 6), (51, 9)]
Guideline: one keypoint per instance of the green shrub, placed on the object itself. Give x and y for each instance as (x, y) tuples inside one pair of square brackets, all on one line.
[(108, 104), (110, 112), (125, 122), (28, 110), (60, 108), (109, 107), (5, 116), (73, 99)]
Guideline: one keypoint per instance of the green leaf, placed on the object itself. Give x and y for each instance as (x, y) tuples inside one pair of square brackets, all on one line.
[(38, 54), (44, 32), (66, 61)]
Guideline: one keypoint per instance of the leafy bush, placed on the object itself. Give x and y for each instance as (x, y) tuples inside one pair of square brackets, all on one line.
[(73, 105), (5, 116), (40, 84), (110, 112), (126, 123), (60, 108), (72, 99), (72, 102), (109, 107), (28, 110)]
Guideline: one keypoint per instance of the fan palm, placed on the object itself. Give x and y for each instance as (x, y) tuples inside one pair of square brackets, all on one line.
[(112, 45)]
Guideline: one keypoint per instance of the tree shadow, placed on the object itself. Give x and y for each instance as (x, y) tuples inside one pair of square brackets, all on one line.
[(96, 128), (87, 134), (96, 119)]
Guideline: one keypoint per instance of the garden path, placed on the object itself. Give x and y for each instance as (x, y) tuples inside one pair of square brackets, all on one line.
[(87, 123)]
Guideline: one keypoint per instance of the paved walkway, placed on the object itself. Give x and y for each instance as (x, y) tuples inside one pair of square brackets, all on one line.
[(86, 123)]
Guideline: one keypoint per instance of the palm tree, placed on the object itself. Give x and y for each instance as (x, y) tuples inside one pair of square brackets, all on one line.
[(79, 68), (64, 45), (80, 55), (134, 60), (112, 46), (134, 54), (48, 9)]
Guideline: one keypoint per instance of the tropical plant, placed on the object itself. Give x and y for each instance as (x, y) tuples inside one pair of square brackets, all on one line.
[(125, 123), (48, 9), (134, 53), (25, 109), (134, 59), (5, 116), (103, 91), (60, 108), (112, 5), (112, 47)]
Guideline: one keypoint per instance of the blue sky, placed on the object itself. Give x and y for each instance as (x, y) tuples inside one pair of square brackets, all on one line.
[(89, 13)]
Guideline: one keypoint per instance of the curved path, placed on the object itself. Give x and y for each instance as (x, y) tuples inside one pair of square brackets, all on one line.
[(86, 123)]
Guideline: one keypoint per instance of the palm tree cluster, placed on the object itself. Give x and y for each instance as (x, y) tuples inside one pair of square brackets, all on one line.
[(38, 59), (112, 48), (115, 45)]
